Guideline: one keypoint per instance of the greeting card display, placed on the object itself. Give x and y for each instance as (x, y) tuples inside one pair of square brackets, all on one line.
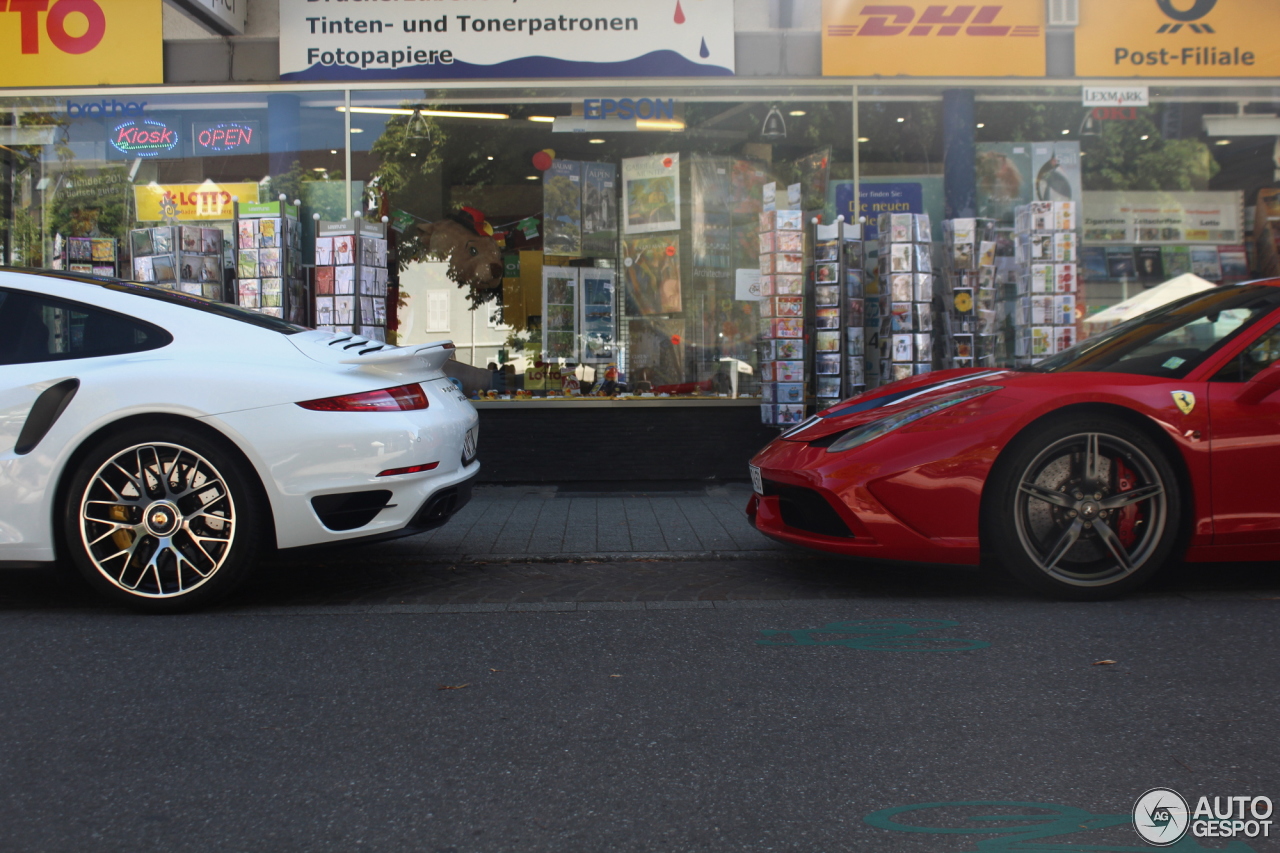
[(1046, 254), (183, 257), (349, 281), (92, 255)]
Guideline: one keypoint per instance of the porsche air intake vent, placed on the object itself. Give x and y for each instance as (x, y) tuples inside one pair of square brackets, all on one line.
[(349, 510)]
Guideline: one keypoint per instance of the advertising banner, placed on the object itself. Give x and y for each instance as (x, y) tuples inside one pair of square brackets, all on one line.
[(335, 40), (190, 202), (1163, 217), (1177, 38), (81, 43), (878, 198), (922, 38)]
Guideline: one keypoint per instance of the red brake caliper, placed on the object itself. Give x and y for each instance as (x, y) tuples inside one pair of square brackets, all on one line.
[(1128, 516)]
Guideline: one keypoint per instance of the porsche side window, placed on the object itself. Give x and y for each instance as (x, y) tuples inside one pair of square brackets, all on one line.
[(1260, 355), (37, 328)]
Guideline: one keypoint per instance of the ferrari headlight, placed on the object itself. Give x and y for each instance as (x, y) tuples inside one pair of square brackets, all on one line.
[(860, 435)]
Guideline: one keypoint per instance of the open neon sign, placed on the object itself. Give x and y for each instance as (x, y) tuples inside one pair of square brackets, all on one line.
[(239, 137)]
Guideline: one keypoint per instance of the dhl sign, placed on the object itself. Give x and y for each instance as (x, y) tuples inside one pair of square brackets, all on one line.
[(923, 39), (80, 42)]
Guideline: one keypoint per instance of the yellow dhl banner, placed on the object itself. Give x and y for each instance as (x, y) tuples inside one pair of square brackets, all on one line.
[(920, 38), (190, 202), (1177, 38), (81, 42)]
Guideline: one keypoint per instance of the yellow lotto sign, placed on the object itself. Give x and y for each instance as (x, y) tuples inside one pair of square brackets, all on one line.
[(1177, 38), (930, 39), (80, 42), (190, 202)]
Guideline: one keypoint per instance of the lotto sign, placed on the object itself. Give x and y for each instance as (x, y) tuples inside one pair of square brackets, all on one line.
[(920, 38), (80, 42), (190, 202), (1177, 38)]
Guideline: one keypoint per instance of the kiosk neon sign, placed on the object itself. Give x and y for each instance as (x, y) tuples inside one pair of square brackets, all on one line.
[(144, 137)]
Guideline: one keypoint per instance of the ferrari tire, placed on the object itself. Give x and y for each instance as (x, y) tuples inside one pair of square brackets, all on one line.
[(163, 519), (1085, 509)]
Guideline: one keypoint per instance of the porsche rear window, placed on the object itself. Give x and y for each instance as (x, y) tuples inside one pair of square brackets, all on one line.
[(36, 328), (174, 297), (1174, 339)]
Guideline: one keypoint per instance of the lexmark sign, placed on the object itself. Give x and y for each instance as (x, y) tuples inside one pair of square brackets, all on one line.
[(1115, 96)]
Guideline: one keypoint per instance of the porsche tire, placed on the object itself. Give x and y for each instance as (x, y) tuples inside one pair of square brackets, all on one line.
[(163, 519), (1086, 509)]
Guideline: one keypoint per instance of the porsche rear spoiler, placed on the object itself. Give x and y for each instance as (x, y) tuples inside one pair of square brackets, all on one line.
[(430, 357)]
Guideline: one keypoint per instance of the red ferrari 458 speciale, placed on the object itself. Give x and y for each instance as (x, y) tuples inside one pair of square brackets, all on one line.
[(1156, 440)]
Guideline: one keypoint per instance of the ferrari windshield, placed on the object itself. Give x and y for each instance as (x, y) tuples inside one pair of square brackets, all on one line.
[(1172, 340)]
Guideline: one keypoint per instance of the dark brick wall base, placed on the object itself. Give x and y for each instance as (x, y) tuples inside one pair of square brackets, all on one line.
[(619, 445)]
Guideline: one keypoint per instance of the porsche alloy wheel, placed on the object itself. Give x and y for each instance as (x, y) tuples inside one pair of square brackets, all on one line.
[(1087, 510), (162, 525)]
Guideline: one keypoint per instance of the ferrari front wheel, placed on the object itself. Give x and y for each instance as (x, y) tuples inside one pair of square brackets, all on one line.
[(1085, 509), (162, 520)]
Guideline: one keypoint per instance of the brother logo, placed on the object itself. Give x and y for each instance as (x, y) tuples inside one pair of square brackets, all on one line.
[(107, 108)]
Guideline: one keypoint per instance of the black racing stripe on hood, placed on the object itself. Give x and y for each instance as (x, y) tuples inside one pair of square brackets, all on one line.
[(868, 405)]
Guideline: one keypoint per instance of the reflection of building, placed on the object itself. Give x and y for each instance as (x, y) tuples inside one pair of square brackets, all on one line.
[(911, 120), (435, 308)]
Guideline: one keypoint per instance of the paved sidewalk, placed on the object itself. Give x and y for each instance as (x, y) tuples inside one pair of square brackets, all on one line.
[(550, 523)]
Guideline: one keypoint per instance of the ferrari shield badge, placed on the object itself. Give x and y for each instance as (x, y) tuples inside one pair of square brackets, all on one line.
[(1184, 400)]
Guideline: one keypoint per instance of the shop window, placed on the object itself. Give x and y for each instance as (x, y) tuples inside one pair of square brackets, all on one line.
[(582, 249)]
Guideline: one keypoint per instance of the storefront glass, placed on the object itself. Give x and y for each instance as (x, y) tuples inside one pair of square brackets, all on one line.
[(626, 225), (89, 176), (1161, 189), (607, 238)]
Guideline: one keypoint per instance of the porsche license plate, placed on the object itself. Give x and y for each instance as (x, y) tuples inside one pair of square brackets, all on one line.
[(469, 445), (757, 482)]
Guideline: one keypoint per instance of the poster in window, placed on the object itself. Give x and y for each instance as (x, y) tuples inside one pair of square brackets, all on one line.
[(814, 171), (651, 267), (651, 193), (559, 313), (1056, 170), (599, 209), (657, 353), (713, 237), (562, 208), (598, 325), (1003, 171)]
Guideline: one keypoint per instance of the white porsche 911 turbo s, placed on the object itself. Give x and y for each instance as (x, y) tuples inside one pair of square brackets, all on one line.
[(160, 441)]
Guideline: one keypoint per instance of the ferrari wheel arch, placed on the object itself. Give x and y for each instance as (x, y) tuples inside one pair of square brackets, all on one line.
[(1087, 502), (160, 420), (1134, 418)]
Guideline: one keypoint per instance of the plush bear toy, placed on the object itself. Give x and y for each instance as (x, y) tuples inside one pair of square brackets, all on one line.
[(467, 242)]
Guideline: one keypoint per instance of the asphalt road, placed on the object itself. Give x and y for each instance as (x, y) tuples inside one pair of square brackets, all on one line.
[(358, 702)]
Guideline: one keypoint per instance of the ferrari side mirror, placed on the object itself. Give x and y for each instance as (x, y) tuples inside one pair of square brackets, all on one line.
[(1261, 386)]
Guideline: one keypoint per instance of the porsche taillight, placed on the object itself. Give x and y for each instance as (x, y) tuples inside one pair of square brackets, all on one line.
[(402, 398)]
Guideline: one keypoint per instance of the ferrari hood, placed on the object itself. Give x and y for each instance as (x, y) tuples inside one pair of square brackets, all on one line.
[(903, 394)]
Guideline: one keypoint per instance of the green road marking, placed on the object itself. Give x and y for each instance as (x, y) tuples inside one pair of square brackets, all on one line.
[(876, 635), (1030, 833)]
